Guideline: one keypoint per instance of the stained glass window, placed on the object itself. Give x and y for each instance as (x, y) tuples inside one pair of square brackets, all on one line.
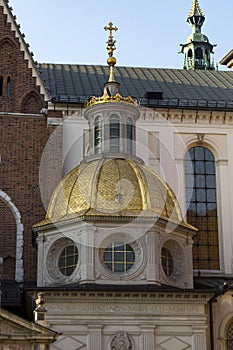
[(119, 257), (201, 203)]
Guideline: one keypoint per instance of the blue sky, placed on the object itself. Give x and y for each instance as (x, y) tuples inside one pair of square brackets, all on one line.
[(149, 35)]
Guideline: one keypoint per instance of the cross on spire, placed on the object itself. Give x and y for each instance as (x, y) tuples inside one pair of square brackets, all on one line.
[(111, 43), (110, 28)]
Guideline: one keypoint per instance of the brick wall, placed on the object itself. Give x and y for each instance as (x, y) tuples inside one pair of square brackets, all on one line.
[(18, 89), (23, 139)]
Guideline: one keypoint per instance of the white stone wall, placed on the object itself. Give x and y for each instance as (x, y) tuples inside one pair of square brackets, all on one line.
[(151, 321)]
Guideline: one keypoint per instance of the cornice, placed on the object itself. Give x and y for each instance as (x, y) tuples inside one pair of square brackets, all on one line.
[(184, 297)]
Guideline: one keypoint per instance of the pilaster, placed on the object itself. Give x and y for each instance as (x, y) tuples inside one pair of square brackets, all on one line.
[(95, 337), (147, 338)]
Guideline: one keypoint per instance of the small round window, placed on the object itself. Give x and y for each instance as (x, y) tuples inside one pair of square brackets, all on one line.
[(167, 261), (68, 259), (119, 257)]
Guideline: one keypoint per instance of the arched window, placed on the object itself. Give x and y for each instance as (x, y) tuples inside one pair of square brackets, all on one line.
[(98, 135), (230, 337), (202, 206), (199, 53), (129, 135), (1, 86), (8, 87), (114, 133), (190, 53)]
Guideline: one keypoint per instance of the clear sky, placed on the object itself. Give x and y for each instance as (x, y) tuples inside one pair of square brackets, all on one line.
[(150, 32)]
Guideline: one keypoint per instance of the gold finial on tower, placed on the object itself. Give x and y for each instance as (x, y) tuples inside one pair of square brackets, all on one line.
[(111, 61), (111, 88)]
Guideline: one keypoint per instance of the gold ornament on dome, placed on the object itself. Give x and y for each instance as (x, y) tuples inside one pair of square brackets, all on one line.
[(111, 88)]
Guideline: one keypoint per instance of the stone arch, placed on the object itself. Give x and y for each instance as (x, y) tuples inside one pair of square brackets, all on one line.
[(7, 47), (19, 236), (202, 140), (223, 331), (32, 103), (190, 53)]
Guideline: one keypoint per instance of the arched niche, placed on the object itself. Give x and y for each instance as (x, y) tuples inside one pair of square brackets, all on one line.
[(19, 236)]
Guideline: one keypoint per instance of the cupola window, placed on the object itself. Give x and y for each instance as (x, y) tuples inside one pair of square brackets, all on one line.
[(167, 261), (202, 206), (68, 260), (114, 133), (130, 135), (119, 257), (98, 135)]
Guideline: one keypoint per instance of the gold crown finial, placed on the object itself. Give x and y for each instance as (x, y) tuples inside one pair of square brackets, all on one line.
[(111, 61)]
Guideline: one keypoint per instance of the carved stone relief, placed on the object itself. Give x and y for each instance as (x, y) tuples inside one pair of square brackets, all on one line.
[(140, 250), (178, 260), (121, 341), (52, 260)]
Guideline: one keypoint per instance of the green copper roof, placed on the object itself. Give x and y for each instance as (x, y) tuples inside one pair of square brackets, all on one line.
[(75, 83)]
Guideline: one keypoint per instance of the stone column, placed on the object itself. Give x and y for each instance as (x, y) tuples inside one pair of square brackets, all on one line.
[(40, 260), (95, 337), (87, 253), (153, 257), (147, 338)]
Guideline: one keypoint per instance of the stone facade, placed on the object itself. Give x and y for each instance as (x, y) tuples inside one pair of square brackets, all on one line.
[(143, 320)]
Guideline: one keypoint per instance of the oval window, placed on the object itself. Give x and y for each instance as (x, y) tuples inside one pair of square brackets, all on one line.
[(68, 259)]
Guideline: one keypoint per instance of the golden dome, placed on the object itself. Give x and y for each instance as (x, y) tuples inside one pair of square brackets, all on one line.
[(114, 187)]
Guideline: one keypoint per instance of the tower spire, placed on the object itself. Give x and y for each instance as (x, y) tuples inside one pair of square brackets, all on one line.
[(195, 17), (111, 61), (111, 87), (195, 9), (197, 50)]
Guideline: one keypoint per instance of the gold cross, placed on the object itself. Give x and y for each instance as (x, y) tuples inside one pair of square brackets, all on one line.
[(110, 28)]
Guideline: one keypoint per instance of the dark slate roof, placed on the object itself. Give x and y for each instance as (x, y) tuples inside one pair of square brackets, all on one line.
[(75, 83)]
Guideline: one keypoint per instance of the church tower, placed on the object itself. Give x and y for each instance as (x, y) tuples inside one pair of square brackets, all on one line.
[(197, 50)]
